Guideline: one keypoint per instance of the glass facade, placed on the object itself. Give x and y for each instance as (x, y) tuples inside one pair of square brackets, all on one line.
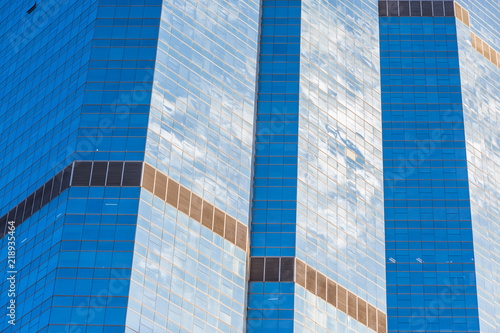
[(187, 278), (481, 103), (250, 166), (202, 111), (439, 75), (430, 257), (340, 230), (114, 120), (275, 176), (318, 170), (41, 91), (274, 207)]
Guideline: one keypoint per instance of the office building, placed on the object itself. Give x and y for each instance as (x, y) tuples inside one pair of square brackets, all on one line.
[(439, 74), (317, 190), (250, 166)]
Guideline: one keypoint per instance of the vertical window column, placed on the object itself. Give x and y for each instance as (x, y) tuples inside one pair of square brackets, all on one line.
[(115, 114), (270, 304), (429, 248), (275, 177)]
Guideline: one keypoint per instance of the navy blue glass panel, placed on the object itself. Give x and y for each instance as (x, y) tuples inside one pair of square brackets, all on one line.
[(275, 173), (270, 305), (430, 260), (119, 82)]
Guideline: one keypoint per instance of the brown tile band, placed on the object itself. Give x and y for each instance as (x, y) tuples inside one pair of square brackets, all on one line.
[(78, 173), (487, 51), (340, 297), (415, 8), (477, 43), (462, 14), (194, 206), (271, 269)]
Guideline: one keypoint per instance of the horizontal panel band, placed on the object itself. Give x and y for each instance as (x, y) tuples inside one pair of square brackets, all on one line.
[(338, 296), (285, 269), (485, 50), (203, 212), (272, 269), (435, 8), (78, 173), (462, 14)]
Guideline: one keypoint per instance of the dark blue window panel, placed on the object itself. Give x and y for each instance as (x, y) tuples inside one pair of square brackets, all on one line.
[(430, 259), (275, 169)]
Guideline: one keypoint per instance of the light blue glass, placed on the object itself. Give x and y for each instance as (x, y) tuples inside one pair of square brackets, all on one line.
[(318, 191), (480, 91)]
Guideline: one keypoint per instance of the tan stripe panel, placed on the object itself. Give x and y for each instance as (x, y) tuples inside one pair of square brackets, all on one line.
[(311, 280), (148, 181), (362, 311), (352, 307), (382, 324), (338, 296), (479, 45), (219, 218), (230, 232), (372, 317), (321, 285), (458, 12), (208, 215), (161, 186), (172, 192), (465, 15), (331, 292), (241, 236), (486, 53), (191, 204), (300, 273), (196, 203), (184, 199), (461, 14), (342, 298), (486, 50)]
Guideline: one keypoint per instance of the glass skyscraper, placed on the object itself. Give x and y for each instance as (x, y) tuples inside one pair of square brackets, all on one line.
[(440, 81), (317, 187), (430, 267), (250, 166)]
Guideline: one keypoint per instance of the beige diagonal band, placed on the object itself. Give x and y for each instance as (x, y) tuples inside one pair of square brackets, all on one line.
[(194, 206), (339, 297)]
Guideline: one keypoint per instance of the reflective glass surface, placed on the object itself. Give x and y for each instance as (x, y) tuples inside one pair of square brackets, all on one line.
[(77, 89), (73, 262), (270, 304), (202, 115), (340, 230), (431, 283), (275, 173), (270, 307), (187, 278), (318, 141), (114, 120), (356, 119), (481, 102), (44, 57)]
